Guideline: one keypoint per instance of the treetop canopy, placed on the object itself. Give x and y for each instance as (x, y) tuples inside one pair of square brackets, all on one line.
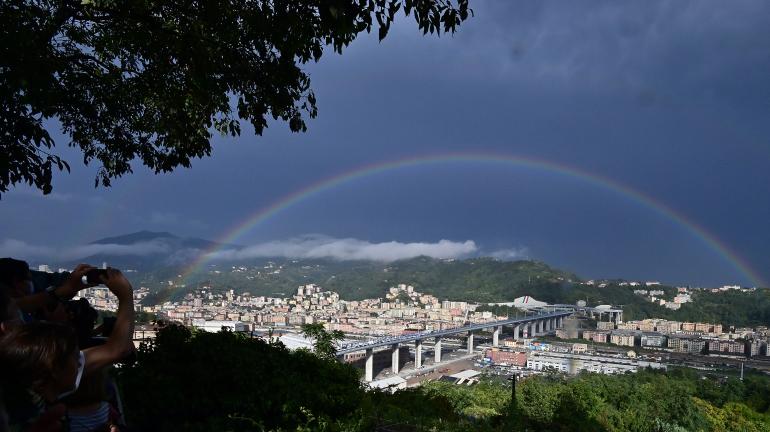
[(152, 80)]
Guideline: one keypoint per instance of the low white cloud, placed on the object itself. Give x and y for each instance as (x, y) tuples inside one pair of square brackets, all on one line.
[(22, 250), (310, 246), (182, 256), (137, 249), (349, 249), (19, 249)]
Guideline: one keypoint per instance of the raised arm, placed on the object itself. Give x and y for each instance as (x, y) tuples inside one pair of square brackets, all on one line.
[(34, 302), (120, 343)]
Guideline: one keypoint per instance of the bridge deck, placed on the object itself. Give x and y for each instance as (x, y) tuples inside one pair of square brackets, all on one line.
[(387, 341)]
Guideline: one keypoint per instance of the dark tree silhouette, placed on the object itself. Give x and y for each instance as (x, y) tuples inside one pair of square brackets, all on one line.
[(151, 80), (323, 341)]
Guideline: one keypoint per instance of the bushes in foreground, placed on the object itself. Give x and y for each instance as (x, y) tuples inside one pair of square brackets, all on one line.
[(226, 381)]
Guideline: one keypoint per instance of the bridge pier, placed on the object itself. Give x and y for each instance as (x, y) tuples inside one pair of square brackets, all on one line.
[(523, 327), (418, 353), (369, 366), (394, 357)]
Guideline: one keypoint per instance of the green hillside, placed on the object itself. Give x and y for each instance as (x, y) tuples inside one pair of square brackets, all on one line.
[(731, 308), (478, 279), (483, 280)]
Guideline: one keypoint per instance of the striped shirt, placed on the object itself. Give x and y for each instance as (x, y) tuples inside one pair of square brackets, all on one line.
[(96, 420)]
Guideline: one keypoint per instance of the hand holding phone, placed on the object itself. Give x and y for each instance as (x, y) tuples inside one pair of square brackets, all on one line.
[(94, 276)]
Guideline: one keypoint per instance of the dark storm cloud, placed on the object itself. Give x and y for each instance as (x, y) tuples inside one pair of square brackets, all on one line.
[(660, 51)]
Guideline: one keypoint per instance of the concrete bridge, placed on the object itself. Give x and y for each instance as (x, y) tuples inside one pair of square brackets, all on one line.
[(526, 326), (614, 314)]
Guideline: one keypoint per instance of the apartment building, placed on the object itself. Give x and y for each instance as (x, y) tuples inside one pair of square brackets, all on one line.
[(686, 343), (572, 363)]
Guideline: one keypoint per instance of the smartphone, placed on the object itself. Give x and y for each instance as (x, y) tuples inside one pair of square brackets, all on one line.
[(94, 276)]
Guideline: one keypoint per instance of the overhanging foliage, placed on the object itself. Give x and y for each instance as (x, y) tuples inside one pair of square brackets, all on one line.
[(151, 80)]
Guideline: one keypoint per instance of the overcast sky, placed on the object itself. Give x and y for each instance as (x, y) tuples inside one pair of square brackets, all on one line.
[(668, 98)]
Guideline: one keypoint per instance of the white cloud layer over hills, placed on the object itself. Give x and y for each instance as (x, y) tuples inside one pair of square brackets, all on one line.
[(22, 250), (349, 249), (309, 246)]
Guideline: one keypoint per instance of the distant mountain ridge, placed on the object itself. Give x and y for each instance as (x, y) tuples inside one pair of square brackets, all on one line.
[(160, 257), (147, 251), (139, 236), (148, 236)]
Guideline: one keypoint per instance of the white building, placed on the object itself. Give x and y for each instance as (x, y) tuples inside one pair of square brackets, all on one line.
[(527, 302), (389, 384), (215, 326), (574, 363), (468, 376)]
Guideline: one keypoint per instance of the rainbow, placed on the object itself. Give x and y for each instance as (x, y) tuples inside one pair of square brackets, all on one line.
[(265, 213)]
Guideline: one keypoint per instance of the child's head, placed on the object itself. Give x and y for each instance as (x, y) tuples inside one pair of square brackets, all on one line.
[(42, 356)]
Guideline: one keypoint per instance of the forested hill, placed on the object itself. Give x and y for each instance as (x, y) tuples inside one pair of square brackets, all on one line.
[(484, 280), (477, 279)]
